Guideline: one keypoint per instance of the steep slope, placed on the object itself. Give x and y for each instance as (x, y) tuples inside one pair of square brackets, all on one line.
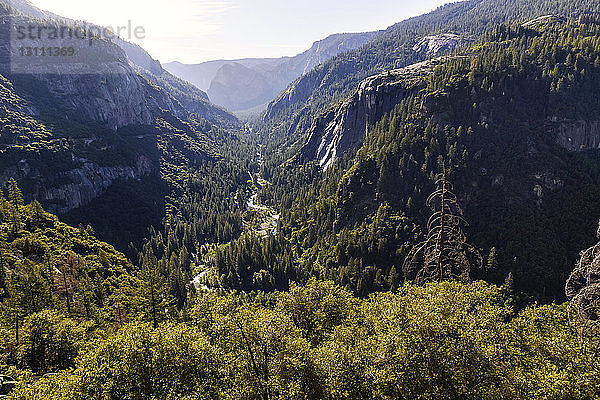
[(102, 126), (45, 263), (201, 75), (244, 84), (423, 343), (238, 87), (514, 119), (343, 128), (190, 97), (295, 109), (27, 8)]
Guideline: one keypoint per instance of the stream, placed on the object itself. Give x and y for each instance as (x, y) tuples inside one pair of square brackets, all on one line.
[(267, 217)]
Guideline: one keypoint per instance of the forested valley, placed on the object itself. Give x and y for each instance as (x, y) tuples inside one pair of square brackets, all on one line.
[(451, 253)]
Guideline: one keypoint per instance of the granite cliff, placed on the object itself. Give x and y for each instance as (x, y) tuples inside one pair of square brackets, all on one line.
[(344, 126), (247, 83), (73, 129)]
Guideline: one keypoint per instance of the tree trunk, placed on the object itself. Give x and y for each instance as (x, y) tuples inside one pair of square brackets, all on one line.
[(441, 240)]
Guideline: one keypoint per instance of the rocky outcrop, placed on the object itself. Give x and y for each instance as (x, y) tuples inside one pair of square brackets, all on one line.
[(75, 187), (544, 183), (238, 87), (299, 91), (303, 88), (114, 100), (86, 184), (343, 128), (27, 8), (139, 57), (79, 125), (96, 84), (577, 135), (11, 101), (326, 49), (431, 46), (108, 80), (544, 21)]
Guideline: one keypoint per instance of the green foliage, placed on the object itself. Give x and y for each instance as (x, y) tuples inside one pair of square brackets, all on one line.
[(182, 180), (317, 308), (440, 341), (74, 305), (289, 117), (52, 272), (493, 113), (50, 342)]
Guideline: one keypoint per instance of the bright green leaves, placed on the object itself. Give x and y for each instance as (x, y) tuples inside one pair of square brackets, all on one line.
[(439, 341)]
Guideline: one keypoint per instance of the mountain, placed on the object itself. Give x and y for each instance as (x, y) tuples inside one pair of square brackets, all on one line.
[(112, 121), (28, 8), (191, 98), (238, 87), (404, 232), (245, 84), (44, 261), (343, 128), (514, 121), (201, 75), (293, 112)]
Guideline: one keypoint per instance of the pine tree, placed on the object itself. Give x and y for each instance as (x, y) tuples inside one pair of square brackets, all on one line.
[(3, 293), (445, 254), (393, 278), (153, 285), (492, 262), (14, 193), (16, 201), (65, 280), (37, 212)]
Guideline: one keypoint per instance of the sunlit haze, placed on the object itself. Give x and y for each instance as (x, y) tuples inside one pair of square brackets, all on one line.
[(193, 31)]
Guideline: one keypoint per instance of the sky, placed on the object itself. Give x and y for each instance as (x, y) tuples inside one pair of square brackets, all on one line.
[(193, 31)]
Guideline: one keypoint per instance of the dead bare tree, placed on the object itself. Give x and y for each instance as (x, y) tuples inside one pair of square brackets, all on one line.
[(65, 281), (583, 291), (445, 254)]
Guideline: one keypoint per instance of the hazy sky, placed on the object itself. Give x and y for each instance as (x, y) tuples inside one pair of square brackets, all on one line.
[(193, 31)]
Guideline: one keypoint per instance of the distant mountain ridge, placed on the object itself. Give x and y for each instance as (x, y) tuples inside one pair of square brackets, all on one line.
[(296, 109), (190, 97), (247, 83)]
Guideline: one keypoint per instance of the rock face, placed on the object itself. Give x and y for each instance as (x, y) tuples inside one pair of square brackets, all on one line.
[(343, 128), (139, 57), (577, 135), (27, 8), (87, 183), (74, 187), (297, 92), (112, 89), (73, 129), (430, 46), (326, 49), (238, 87), (113, 100), (201, 75), (543, 21), (244, 84), (135, 53), (303, 88)]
